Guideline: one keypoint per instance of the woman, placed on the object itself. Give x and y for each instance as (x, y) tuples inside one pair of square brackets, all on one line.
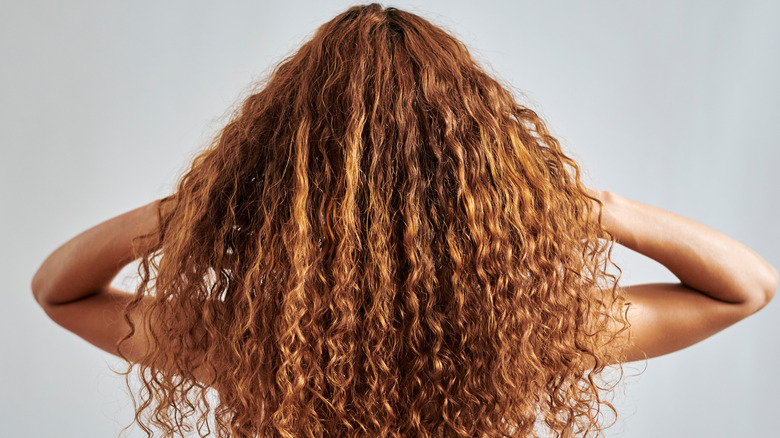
[(382, 242)]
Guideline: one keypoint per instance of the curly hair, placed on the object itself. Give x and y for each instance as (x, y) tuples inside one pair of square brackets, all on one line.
[(380, 242)]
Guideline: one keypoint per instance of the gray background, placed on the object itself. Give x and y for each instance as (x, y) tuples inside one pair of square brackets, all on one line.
[(672, 103)]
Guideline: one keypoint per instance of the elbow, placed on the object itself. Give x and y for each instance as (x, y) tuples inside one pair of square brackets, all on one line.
[(36, 288), (39, 288), (771, 289), (42, 295), (766, 290)]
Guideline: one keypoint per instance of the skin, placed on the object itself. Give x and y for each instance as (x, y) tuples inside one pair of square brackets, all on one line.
[(721, 280)]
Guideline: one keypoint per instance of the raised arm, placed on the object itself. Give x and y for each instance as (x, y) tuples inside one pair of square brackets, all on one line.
[(721, 280), (73, 285)]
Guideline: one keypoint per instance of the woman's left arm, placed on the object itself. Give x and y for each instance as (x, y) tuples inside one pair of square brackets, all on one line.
[(73, 285)]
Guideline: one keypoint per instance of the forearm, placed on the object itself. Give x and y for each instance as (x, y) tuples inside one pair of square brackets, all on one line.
[(88, 263), (701, 257)]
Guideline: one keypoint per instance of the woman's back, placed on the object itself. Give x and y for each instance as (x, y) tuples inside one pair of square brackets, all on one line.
[(382, 242)]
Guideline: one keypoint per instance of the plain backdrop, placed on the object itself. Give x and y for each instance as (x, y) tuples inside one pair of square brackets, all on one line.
[(672, 103)]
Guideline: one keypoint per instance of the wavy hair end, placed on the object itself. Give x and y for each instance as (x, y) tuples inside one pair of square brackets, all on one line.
[(380, 242)]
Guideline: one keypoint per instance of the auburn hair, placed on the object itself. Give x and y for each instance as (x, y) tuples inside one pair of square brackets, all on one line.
[(380, 242)]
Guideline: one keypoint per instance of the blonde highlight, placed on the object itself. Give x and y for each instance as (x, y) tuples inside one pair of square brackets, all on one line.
[(380, 242)]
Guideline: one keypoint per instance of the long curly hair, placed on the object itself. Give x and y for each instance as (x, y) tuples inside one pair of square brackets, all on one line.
[(380, 242)]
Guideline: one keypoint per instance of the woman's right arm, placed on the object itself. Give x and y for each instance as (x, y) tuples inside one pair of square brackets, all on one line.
[(721, 280)]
